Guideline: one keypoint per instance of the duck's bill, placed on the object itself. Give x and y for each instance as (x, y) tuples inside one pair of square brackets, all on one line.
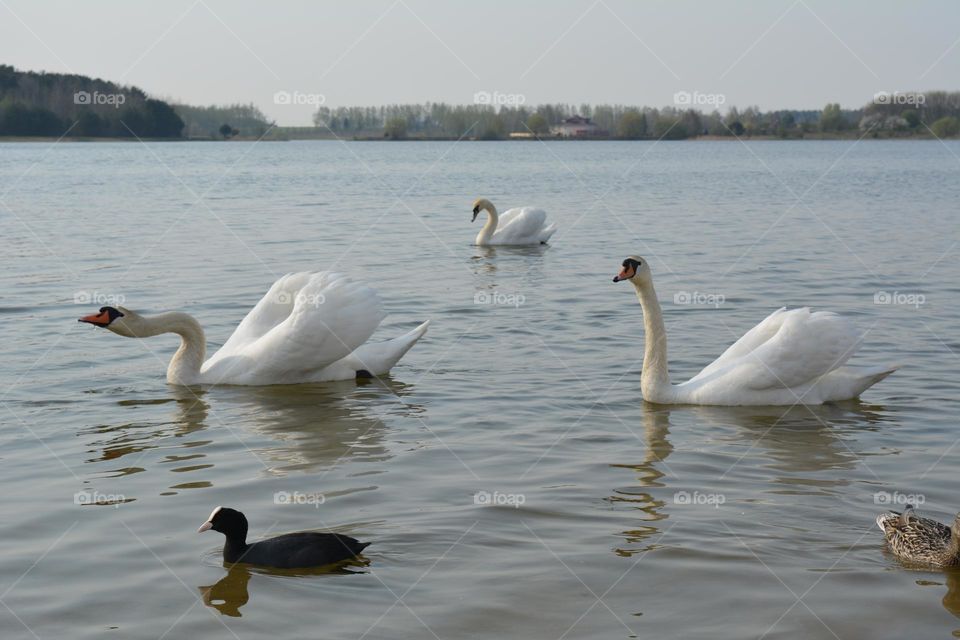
[(475, 213), (205, 526), (96, 319)]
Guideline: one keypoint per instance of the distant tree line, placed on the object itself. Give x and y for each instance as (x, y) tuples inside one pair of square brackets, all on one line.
[(53, 104), (935, 112), (208, 122)]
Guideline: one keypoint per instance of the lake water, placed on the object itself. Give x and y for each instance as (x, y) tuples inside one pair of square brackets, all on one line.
[(615, 518)]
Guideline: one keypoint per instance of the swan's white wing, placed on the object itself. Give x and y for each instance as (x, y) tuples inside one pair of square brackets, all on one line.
[(803, 347), (272, 309), (749, 341), (523, 224), (327, 317)]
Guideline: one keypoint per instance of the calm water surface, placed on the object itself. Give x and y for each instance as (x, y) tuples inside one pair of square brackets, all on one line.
[(526, 387)]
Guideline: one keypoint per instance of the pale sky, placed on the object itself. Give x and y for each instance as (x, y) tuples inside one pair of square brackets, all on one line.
[(771, 53)]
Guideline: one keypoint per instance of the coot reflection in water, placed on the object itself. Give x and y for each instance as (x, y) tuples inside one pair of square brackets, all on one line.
[(231, 592)]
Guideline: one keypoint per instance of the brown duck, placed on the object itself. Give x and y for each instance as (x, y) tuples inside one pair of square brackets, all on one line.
[(918, 539)]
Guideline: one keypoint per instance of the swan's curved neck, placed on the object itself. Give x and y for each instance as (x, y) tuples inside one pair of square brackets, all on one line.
[(185, 366), (492, 221), (655, 378)]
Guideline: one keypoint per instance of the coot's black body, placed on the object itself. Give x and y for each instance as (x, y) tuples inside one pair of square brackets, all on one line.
[(289, 551)]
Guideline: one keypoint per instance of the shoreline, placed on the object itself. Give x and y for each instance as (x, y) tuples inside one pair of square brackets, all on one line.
[(705, 138)]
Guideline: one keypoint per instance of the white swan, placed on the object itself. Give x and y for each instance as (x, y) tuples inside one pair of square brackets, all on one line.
[(524, 225), (792, 357), (309, 327)]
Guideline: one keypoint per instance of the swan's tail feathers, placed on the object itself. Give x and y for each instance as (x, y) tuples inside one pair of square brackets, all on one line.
[(868, 379), (378, 358), (547, 232), (848, 382)]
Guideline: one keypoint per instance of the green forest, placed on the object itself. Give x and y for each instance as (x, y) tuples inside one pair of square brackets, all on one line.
[(54, 105), (935, 113)]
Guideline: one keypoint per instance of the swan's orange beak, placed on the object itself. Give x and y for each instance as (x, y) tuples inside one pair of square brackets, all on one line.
[(101, 319), (625, 274)]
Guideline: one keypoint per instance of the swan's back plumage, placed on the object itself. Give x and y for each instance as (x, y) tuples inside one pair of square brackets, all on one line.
[(523, 225), (787, 349), (792, 356), (306, 322)]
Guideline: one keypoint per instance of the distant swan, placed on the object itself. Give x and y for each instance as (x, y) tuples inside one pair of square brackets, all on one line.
[(309, 327), (792, 357), (522, 226)]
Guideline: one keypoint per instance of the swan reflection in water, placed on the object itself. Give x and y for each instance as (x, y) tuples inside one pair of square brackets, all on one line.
[(315, 426), (488, 261), (801, 439), (308, 426), (232, 591)]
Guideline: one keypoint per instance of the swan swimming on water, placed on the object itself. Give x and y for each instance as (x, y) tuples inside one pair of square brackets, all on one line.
[(520, 226), (309, 327), (792, 357)]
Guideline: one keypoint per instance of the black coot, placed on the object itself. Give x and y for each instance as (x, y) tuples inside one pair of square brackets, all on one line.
[(289, 551)]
